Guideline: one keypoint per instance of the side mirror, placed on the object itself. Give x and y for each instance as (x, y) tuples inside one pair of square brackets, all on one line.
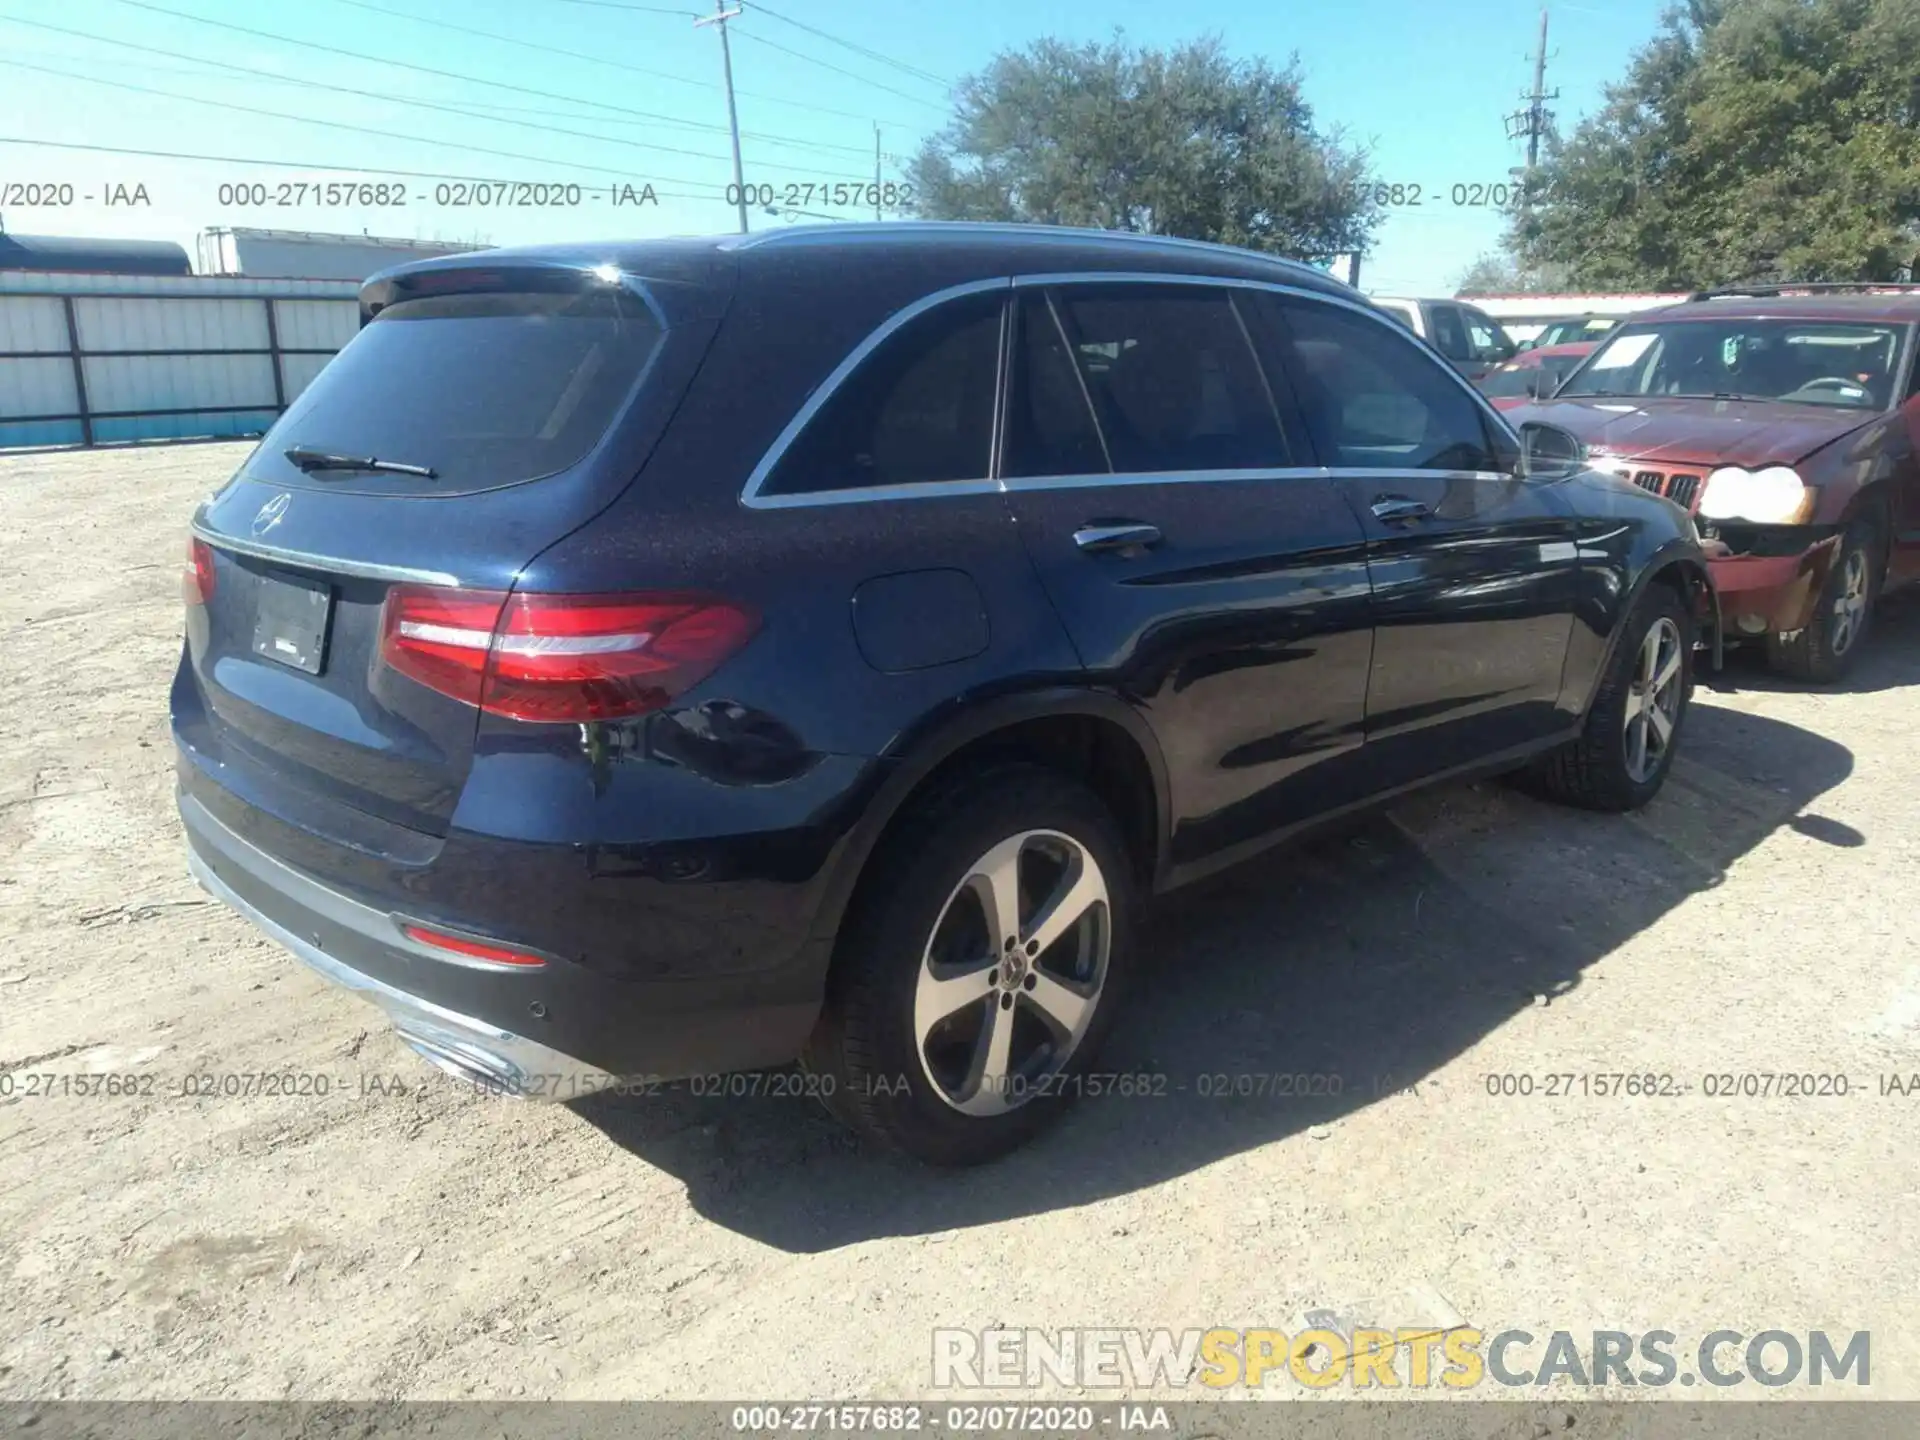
[(1540, 383), (1548, 450)]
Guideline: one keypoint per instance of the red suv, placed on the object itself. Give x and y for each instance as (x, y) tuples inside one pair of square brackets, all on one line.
[(1786, 420)]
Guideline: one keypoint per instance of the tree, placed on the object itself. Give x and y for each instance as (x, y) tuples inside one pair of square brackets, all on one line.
[(1750, 140), (1186, 142), (1500, 273)]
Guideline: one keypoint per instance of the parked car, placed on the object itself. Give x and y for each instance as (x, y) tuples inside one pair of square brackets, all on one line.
[(1533, 374), (689, 656), (1574, 330), (1789, 424), (1472, 341)]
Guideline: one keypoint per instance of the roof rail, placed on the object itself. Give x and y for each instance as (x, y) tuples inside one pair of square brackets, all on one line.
[(906, 229), (1809, 287)]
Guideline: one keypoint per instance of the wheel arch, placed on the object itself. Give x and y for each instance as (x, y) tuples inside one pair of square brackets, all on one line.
[(1679, 566), (1091, 734)]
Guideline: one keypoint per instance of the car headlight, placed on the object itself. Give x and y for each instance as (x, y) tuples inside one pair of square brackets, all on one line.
[(1773, 496)]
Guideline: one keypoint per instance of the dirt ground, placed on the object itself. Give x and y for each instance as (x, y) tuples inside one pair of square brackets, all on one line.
[(400, 1237)]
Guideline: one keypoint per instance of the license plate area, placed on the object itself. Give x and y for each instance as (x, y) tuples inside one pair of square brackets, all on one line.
[(291, 619)]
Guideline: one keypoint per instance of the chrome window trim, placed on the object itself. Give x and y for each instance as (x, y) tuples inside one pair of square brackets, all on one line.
[(751, 497), (925, 490), (301, 560)]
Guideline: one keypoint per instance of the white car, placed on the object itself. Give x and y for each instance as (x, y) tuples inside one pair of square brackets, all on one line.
[(1471, 340)]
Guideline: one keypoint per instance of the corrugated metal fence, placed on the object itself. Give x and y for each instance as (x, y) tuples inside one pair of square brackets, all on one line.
[(94, 359)]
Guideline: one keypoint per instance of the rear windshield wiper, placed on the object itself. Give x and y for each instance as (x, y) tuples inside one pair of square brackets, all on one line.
[(312, 460)]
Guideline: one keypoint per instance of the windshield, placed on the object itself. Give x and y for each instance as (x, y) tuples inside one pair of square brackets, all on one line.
[(1806, 362), (1572, 332), (483, 389), (1512, 380)]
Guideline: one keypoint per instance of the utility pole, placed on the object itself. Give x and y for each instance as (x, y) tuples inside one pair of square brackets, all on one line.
[(719, 19), (876, 172), (1533, 123)]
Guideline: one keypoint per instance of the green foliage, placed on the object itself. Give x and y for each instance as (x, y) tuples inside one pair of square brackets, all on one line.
[(1185, 142), (1751, 140), (1502, 274)]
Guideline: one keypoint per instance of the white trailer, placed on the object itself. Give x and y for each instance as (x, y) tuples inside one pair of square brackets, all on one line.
[(309, 255)]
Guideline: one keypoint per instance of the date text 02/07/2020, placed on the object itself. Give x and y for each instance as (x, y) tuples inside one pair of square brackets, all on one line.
[(449, 194)]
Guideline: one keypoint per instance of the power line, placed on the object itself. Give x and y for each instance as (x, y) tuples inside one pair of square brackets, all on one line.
[(798, 55), (598, 59), (336, 124), (343, 90), (251, 73), (756, 135), (759, 9), (641, 9), (308, 165), (405, 64)]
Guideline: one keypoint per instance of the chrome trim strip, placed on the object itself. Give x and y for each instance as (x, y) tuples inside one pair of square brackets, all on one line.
[(321, 899), (521, 1066), (328, 564), (750, 496), (931, 490)]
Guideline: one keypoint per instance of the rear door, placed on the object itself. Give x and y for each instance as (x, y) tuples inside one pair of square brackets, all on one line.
[(1473, 569), (532, 399), (1203, 567)]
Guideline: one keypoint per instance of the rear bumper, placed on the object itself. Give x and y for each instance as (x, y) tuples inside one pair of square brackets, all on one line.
[(1761, 594), (556, 1033)]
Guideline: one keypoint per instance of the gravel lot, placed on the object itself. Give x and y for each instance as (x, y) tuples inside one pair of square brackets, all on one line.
[(399, 1237)]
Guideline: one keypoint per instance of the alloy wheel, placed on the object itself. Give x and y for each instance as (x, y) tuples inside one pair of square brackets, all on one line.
[(1850, 605), (1013, 972), (1653, 700)]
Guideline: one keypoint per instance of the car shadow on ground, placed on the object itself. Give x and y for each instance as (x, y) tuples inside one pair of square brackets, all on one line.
[(1375, 954)]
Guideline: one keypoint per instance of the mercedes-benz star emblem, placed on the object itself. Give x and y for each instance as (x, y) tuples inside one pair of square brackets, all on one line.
[(271, 513)]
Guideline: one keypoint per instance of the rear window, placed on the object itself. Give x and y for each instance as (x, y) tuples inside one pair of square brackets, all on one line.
[(485, 389)]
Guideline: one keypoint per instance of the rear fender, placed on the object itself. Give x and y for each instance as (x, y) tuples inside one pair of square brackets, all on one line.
[(923, 749)]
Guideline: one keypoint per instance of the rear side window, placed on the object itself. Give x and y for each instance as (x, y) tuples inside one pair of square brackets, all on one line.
[(1050, 430), (1374, 400), (1173, 378), (916, 411), (486, 389)]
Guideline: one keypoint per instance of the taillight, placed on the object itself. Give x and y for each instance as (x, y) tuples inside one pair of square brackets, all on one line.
[(196, 579), (562, 658)]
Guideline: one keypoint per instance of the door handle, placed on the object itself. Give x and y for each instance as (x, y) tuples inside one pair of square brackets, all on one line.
[(1126, 536), (1401, 507)]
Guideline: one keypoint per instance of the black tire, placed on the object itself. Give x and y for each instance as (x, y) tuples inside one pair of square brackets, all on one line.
[(1824, 652), (864, 1050), (1595, 771)]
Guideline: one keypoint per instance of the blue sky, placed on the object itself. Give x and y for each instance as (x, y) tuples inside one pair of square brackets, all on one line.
[(1424, 85)]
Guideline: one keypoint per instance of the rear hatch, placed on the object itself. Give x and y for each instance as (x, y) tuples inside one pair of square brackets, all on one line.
[(507, 403)]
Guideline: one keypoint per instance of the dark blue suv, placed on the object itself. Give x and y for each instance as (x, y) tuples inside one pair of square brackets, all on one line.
[(644, 660)]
